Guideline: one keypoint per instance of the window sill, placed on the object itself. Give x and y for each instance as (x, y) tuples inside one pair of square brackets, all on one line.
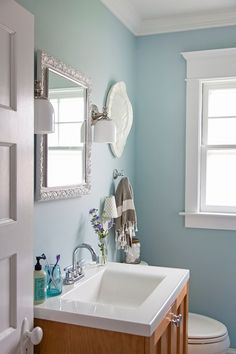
[(207, 220)]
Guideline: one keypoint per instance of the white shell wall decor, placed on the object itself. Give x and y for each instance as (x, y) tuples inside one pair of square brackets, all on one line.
[(120, 110)]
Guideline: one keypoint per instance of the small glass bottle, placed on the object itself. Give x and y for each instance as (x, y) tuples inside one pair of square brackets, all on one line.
[(102, 252), (133, 254)]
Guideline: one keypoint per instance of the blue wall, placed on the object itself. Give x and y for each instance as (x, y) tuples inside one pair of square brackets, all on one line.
[(160, 175), (85, 35)]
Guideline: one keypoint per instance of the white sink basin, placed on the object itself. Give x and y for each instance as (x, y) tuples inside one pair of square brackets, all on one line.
[(118, 297), (116, 287)]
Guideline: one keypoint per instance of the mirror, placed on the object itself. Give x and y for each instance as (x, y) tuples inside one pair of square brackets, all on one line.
[(63, 158)]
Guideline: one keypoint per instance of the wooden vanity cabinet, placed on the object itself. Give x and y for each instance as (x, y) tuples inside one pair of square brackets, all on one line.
[(168, 338)]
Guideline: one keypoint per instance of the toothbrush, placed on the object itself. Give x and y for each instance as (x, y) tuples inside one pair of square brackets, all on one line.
[(50, 274), (57, 260), (54, 267)]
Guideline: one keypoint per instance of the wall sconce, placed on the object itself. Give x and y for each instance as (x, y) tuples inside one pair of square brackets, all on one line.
[(43, 112), (109, 212), (104, 127)]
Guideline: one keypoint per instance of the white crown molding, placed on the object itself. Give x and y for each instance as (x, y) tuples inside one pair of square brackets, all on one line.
[(187, 22), (127, 14)]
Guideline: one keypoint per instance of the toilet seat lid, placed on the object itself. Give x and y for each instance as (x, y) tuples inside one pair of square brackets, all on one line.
[(202, 327)]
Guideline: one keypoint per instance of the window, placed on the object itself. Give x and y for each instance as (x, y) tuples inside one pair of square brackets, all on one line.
[(218, 147), (210, 190)]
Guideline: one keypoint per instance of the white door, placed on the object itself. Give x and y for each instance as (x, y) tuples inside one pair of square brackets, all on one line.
[(16, 172)]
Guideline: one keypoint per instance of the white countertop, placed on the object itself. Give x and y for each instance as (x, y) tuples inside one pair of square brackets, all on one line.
[(76, 304)]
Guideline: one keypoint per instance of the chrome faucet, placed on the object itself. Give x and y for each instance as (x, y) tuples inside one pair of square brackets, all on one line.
[(74, 272), (88, 247)]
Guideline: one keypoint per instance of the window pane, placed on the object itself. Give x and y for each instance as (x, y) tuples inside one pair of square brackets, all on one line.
[(71, 109), (65, 167), (221, 178), (70, 134), (53, 138), (222, 131), (222, 102)]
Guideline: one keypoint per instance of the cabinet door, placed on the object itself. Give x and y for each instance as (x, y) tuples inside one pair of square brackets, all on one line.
[(182, 330), (171, 336)]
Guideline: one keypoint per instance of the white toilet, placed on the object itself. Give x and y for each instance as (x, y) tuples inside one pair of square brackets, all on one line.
[(206, 336)]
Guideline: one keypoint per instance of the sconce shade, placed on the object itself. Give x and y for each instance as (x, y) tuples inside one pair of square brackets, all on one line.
[(43, 116), (110, 210), (104, 131)]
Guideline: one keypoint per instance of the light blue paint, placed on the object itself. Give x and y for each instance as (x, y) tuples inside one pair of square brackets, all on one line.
[(85, 35), (160, 175)]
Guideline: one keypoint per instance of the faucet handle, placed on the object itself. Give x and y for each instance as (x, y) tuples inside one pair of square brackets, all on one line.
[(69, 278), (68, 268), (80, 265)]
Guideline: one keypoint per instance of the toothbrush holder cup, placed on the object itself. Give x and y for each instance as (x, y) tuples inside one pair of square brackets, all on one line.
[(54, 280)]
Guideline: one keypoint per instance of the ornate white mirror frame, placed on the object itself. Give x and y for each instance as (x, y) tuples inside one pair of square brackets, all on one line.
[(47, 64)]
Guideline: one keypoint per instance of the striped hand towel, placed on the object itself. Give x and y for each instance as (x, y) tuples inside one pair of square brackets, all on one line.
[(126, 222)]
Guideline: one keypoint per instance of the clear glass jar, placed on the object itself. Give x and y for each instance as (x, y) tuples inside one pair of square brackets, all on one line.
[(132, 255), (54, 280)]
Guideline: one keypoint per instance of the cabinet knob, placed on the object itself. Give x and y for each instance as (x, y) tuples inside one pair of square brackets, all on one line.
[(176, 320)]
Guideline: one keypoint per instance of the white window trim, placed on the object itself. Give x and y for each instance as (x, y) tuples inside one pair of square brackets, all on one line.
[(219, 64)]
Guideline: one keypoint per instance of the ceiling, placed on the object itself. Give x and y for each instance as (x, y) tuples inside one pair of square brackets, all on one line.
[(145, 17)]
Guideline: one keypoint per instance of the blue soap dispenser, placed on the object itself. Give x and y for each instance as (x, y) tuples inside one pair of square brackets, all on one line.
[(39, 282)]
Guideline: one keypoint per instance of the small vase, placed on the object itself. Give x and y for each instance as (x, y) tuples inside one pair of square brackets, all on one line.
[(102, 252)]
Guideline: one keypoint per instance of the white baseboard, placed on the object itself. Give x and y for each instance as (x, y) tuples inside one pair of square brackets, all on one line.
[(231, 351)]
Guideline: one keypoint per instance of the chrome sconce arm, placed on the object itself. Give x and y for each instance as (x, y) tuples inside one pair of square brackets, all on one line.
[(96, 115)]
